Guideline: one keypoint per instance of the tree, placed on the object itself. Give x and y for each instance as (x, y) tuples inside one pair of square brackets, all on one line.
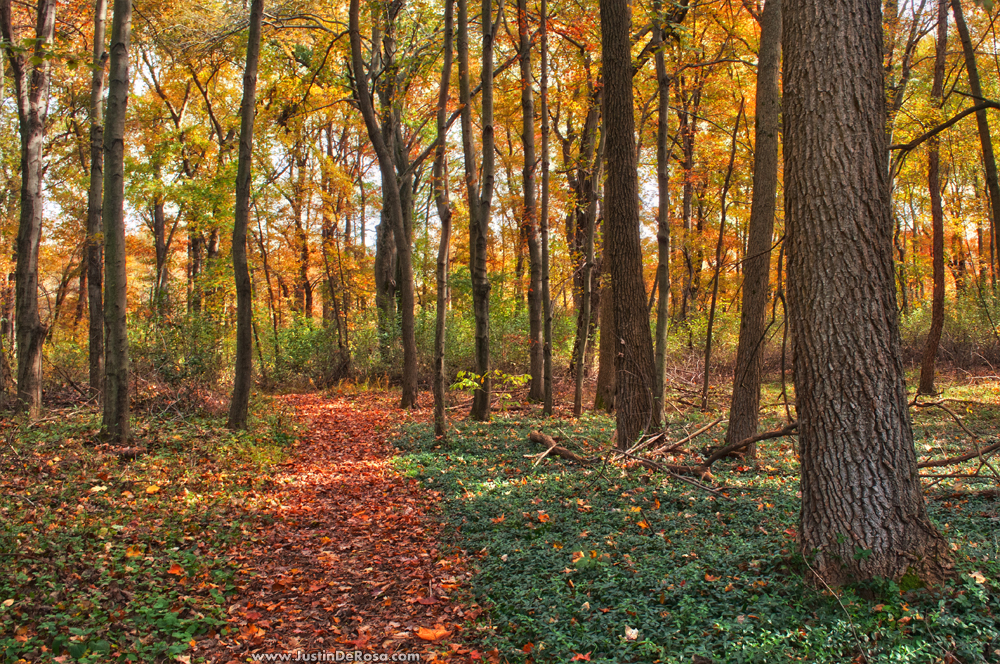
[(31, 86), (634, 357), (863, 513), (479, 191), (240, 402), (546, 290), (744, 406), (443, 202), (94, 249), (386, 145), (529, 223), (937, 213), (985, 139), (116, 369)]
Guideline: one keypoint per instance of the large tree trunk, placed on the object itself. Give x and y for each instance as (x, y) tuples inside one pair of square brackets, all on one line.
[(634, 360), (937, 214), (546, 291), (985, 139), (744, 407), (529, 221), (480, 194), (31, 84), (239, 405), (443, 202), (863, 513), (94, 249), (116, 400), (385, 285)]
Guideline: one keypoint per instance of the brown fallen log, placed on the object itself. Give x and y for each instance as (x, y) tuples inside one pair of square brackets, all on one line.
[(554, 449)]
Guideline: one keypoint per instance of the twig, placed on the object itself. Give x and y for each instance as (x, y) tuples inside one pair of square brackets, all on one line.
[(940, 404), (667, 471)]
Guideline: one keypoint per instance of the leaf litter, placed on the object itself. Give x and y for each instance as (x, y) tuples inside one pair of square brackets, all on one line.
[(351, 560)]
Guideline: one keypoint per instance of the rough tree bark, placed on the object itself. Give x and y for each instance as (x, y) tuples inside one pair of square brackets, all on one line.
[(529, 222), (31, 85), (926, 385), (863, 513), (634, 357), (744, 406), (443, 202), (116, 369), (240, 403), (94, 250)]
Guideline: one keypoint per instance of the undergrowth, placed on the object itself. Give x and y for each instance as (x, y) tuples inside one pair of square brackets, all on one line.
[(118, 554), (614, 565)]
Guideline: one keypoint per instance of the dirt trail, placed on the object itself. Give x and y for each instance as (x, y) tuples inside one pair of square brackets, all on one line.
[(351, 561)]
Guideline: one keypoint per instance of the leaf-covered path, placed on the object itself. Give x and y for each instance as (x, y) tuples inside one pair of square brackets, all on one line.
[(350, 561)]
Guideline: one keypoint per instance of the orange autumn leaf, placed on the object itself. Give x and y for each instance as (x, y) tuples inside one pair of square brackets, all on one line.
[(710, 578), (528, 646), (432, 634), (133, 551), (176, 570)]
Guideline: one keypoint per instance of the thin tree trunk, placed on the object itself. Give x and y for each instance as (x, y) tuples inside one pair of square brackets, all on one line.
[(240, 403), (744, 406), (937, 214), (723, 206), (863, 512), (480, 194), (663, 211), (443, 202), (634, 361), (94, 250), (585, 321), (546, 289), (529, 221), (986, 140), (393, 208), (116, 398), (31, 83)]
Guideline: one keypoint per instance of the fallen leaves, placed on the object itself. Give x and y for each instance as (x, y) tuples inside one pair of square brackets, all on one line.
[(433, 634), (350, 559)]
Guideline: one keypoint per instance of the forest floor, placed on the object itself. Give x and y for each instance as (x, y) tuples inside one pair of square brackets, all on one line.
[(340, 523)]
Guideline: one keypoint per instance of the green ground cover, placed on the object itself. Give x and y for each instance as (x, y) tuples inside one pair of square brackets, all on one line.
[(627, 566)]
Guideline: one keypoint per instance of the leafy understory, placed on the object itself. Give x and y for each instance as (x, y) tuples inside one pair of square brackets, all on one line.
[(622, 565), (121, 554)]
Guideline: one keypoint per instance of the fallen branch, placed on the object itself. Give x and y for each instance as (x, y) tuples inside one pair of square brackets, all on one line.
[(767, 435), (557, 450), (673, 446), (960, 459)]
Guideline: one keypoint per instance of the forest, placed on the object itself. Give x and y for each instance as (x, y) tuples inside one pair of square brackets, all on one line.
[(531, 331)]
